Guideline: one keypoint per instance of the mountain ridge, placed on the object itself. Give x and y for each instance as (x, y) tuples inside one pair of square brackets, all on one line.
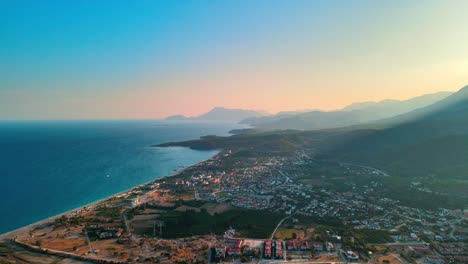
[(220, 114), (426, 142), (416, 142), (354, 114)]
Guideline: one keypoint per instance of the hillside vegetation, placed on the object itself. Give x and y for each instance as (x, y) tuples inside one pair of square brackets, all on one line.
[(427, 142)]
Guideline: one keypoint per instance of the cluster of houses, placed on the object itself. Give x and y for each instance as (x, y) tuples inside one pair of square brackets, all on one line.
[(258, 202), (453, 251), (351, 255), (423, 253), (273, 249), (276, 249), (96, 232), (232, 247)]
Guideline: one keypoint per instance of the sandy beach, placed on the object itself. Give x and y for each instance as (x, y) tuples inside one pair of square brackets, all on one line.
[(12, 234)]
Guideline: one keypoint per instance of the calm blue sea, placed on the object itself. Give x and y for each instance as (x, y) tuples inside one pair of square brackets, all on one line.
[(49, 167)]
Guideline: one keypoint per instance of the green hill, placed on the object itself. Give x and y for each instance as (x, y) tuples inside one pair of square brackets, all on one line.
[(429, 141)]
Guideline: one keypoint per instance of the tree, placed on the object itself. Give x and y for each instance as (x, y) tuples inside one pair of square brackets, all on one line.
[(245, 259)]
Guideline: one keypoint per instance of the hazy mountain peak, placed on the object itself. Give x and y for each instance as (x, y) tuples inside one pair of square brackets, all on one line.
[(363, 105), (464, 90), (226, 114), (431, 140), (354, 114), (176, 117), (218, 108), (220, 113)]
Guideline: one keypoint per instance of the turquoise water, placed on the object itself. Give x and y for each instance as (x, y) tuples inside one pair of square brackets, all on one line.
[(49, 167)]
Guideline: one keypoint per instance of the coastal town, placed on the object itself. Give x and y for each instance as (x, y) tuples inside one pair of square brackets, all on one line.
[(260, 131), (238, 207)]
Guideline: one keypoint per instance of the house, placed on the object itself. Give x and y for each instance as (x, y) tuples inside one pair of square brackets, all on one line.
[(433, 260), (233, 251), (267, 249), (135, 202), (418, 252), (350, 255), (318, 246), (279, 249), (291, 245), (233, 247), (329, 246), (305, 245), (218, 254)]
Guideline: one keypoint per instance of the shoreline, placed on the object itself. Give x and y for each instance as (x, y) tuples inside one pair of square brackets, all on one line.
[(11, 234)]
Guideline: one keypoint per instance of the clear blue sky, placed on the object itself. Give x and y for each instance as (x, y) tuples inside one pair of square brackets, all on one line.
[(142, 59)]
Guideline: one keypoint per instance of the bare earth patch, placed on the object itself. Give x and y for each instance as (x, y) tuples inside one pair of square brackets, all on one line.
[(66, 245), (184, 208), (390, 258), (212, 208)]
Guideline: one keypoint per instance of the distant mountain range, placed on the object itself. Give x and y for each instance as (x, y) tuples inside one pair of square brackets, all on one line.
[(357, 113), (354, 114), (221, 114), (430, 141), (428, 146)]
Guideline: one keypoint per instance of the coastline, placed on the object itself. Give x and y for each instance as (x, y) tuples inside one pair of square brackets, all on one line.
[(11, 234)]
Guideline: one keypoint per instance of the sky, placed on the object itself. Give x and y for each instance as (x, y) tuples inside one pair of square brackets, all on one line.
[(150, 59)]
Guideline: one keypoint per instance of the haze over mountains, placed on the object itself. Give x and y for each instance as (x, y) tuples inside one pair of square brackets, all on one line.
[(431, 141), (428, 141), (220, 114), (357, 113)]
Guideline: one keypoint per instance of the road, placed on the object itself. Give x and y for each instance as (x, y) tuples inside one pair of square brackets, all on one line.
[(404, 244), (286, 179), (398, 257), (453, 228), (277, 226), (280, 222), (366, 167), (128, 227), (91, 249)]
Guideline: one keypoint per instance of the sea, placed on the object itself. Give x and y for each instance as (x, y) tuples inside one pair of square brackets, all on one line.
[(50, 167)]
